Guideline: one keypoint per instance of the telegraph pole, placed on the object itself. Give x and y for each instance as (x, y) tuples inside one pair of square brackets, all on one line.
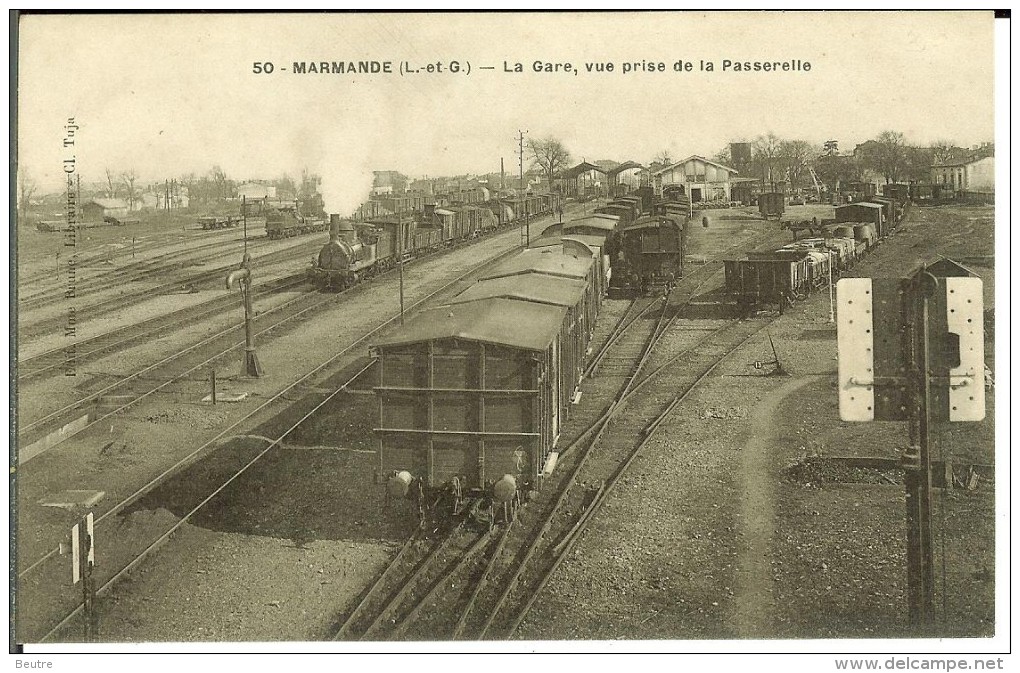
[(400, 259), (244, 221), (520, 164)]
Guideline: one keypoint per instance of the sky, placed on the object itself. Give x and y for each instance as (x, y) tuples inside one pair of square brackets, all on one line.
[(167, 95)]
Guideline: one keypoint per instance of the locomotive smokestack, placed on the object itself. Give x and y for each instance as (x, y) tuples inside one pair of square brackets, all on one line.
[(334, 227), (341, 229)]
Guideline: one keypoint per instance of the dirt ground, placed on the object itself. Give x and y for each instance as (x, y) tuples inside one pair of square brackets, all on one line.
[(712, 535), (320, 500)]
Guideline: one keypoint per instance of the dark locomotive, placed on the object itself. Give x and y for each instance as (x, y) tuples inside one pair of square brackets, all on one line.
[(359, 250), (294, 219)]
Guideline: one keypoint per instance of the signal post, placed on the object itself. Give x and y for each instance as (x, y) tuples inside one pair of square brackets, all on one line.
[(912, 349)]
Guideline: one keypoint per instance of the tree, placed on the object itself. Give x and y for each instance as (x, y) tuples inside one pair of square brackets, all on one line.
[(943, 150), (886, 155), (548, 156), (285, 187), (26, 188), (188, 181), (663, 158), (917, 163), (837, 170), (794, 155), (767, 156), (113, 185), (221, 185), (129, 177)]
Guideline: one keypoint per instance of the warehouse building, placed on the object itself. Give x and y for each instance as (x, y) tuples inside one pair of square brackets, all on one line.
[(702, 179)]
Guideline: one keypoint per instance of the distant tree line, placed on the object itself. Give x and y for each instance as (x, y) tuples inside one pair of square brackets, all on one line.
[(887, 157)]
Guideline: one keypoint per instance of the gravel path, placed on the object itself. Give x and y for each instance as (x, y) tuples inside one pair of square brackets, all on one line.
[(754, 597)]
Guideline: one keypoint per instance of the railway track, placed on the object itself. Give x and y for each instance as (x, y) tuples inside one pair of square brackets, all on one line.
[(53, 362), (118, 565), (127, 391), (594, 466), (103, 256), (492, 601), (422, 570), (207, 278), (175, 260), (141, 384), (450, 564)]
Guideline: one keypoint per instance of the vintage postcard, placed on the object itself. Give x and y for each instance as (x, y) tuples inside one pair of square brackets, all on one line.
[(509, 331)]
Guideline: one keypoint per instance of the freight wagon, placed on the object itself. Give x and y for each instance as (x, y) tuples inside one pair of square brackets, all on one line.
[(776, 278), (871, 213), (218, 222), (472, 395), (772, 204), (471, 399), (287, 221)]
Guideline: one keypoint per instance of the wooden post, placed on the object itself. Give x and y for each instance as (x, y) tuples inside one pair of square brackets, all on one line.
[(86, 561), (917, 469), (212, 381), (400, 260)]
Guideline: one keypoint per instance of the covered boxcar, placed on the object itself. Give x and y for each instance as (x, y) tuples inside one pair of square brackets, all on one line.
[(871, 213), (579, 321), (471, 396), (600, 225), (897, 191), (623, 211), (582, 246), (772, 204), (892, 211), (553, 262)]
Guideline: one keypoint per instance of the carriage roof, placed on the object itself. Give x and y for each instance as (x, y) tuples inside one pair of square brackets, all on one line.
[(498, 321)]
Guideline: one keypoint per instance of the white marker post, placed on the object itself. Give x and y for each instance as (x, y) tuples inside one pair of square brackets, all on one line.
[(83, 549)]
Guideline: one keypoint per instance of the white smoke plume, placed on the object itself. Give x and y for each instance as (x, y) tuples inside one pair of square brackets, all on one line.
[(345, 164)]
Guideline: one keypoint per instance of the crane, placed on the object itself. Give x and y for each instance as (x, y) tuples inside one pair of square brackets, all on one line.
[(814, 178)]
